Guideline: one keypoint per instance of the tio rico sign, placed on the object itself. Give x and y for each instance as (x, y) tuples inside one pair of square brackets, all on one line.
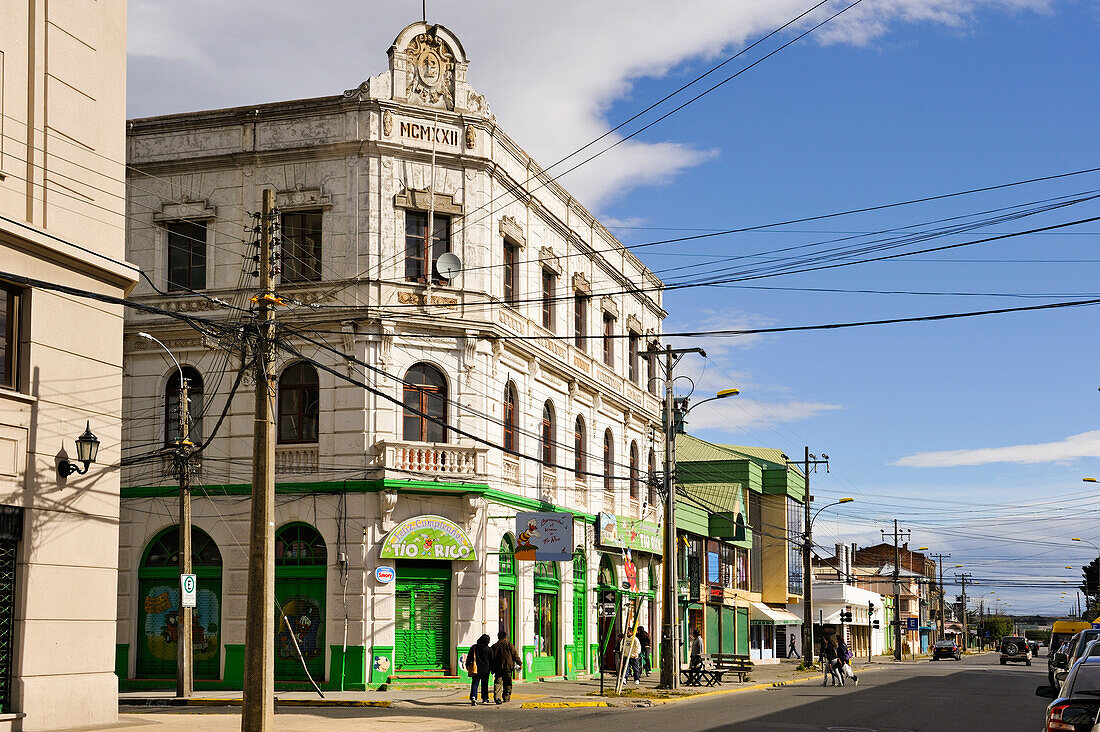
[(428, 537)]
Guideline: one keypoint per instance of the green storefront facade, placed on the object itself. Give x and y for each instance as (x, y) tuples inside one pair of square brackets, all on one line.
[(549, 609)]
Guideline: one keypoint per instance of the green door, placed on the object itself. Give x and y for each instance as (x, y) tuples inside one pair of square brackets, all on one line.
[(580, 614), (423, 617), (301, 620), (300, 571), (743, 631), (713, 631), (729, 630)]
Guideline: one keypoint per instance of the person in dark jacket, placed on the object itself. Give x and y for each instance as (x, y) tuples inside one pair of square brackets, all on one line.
[(478, 662), (643, 638), (844, 662), (829, 662), (505, 660)]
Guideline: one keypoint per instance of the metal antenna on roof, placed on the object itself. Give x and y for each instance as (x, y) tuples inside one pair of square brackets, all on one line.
[(424, 10)]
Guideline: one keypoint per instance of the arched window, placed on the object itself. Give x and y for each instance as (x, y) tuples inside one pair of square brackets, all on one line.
[(652, 477), (608, 460), (547, 433), (425, 391), (299, 544), (606, 577), (164, 549), (510, 442), (299, 398), (579, 462), (635, 478), (172, 406)]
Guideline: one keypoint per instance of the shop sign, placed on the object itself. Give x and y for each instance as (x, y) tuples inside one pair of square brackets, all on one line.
[(428, 537), (384, 574), (607, 609), (544, 536), (627, 533)]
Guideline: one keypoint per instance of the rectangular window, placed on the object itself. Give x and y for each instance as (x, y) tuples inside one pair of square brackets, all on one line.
[(756, 567), (580, 320), (511, 284), (301, 246), (549, 285), (653, 380), (10, 298), (186, 255), (422, 251), (609, 339), (632, 356), (794, 546)]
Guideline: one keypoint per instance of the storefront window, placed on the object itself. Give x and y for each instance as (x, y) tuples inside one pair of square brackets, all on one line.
[(544, 623), (742, 564)]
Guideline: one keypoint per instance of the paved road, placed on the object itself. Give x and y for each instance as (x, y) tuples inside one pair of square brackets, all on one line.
[(972, 694)]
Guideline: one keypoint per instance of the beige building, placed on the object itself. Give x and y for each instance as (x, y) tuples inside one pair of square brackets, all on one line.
[(62, 213), (418, 408)]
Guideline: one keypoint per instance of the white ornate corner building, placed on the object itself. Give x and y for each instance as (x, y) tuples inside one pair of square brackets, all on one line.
[(421, 403)]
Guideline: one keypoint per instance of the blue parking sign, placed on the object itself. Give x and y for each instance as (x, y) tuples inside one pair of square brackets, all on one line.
[(911, 624)]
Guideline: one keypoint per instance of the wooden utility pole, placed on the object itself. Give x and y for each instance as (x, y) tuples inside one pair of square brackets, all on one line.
[(259, 646), (670, 627), (809, 462), (185, 649), (939, 566), (963, 579), (897, 586)]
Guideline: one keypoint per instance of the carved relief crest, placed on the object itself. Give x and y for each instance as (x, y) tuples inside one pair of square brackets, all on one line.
[(471, 137), (387, 123), (431, 70)]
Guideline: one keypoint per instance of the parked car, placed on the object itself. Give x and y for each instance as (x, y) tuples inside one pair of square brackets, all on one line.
[(1062, 633), (1075, 704), (946, 649), (1034, 646), (1062, 661), (1014, 648)]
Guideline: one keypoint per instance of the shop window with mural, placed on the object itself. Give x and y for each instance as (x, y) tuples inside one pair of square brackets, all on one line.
[(300, 560), (159, 606)]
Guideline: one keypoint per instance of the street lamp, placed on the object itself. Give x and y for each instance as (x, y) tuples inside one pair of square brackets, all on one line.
[(675, 409), (1089, 480), (808, 580), (184, 647), (87, 447)]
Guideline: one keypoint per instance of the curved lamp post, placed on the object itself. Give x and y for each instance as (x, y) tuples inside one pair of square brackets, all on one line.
[(808, 599), (676, 410)]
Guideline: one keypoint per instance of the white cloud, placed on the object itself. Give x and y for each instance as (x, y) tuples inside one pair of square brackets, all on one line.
[(550, 71), (1085, 444)]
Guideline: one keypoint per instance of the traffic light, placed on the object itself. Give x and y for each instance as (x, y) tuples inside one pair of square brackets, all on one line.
[(874, 624), (845, 616)]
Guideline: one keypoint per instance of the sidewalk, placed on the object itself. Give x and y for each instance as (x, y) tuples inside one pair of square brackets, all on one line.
[(551, 692), (169, 722)]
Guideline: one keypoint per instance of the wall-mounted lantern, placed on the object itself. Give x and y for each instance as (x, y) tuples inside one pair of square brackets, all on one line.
[(87, 447)]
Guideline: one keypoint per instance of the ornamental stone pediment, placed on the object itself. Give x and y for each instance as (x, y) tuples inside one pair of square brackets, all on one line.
[(194, 209)]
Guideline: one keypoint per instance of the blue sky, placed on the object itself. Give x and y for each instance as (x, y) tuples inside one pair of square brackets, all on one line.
[(899, 99)]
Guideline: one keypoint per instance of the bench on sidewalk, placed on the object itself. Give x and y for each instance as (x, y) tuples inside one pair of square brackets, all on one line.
[(731, 663), (714, 667)]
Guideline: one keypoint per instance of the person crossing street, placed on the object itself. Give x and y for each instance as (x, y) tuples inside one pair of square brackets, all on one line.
[(505, 658)]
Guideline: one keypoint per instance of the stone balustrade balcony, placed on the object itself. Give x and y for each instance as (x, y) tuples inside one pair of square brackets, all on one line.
[(296, 459), (434, 459)]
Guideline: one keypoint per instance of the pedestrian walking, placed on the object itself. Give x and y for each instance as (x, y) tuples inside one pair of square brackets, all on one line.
[(634, 656), (844, 659), (695, 659), (792, 652), (829, 663), (505, 660), (643, 637), (479, 661)]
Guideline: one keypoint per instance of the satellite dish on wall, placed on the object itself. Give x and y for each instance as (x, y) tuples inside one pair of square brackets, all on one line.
[(448, 265)]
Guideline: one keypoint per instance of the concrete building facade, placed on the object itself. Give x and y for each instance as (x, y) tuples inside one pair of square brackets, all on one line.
[(62, 213), (420, 409)]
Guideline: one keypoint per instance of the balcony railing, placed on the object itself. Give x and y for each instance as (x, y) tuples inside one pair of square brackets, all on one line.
[(295, 459), (431, 458)]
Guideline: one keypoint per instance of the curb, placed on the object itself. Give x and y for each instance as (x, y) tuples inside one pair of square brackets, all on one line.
[(236, 702), (563, 705), (750, 687)]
